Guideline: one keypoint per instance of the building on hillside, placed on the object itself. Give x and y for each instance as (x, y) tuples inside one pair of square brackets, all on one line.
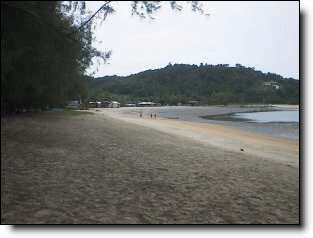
[(272, 84), (276, 86)]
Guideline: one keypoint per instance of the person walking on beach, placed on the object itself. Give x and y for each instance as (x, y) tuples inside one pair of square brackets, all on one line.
[(140, 114), (151, 115), (154, 115)]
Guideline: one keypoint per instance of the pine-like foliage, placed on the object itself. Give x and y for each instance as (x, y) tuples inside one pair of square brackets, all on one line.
[(43, 56)]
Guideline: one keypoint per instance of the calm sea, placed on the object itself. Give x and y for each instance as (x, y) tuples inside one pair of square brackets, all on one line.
[(264, 117), (276, 123)]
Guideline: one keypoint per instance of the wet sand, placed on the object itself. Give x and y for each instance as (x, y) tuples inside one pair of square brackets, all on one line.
[(221, 136), (92, 169), (220, 115)]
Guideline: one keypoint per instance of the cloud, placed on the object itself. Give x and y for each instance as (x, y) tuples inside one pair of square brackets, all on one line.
[(264, 35)]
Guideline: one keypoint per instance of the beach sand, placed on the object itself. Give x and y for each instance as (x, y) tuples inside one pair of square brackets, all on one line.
[(108, 169), (221, 136)]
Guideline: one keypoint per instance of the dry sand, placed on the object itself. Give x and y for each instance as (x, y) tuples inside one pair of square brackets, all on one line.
[(100, 169), (224, 137)]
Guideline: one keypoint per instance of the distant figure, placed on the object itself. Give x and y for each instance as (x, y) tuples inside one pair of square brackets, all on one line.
[(140, 114), (154, 115), (151, 115)]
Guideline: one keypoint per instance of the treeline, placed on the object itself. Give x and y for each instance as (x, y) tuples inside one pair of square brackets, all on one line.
[(47, 46), (208, 84), (43, 55)]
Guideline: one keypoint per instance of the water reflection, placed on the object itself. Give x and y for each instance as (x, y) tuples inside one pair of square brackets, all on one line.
[(275, 116)]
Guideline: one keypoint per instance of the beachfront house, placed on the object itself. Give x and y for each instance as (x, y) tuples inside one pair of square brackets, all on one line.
[(194, 103), (105, 103), (130, 105), (96, 104), (146, 104), (114, 104), (110, 104), (74, 104), (91, 104)]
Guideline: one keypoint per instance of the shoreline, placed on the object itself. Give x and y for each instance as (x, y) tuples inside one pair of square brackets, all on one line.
[(230, 117), (103, 168), (200, 114), (220, 136)]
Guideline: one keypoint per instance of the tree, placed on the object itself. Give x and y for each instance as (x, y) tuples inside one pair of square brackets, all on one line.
[(210, 84), (41, 64), (47, 47)]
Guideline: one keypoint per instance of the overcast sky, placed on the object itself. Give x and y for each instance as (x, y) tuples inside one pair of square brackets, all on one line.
[(264, 35)]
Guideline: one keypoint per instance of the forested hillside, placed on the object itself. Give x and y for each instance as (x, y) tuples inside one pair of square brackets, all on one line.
[(210, 84)]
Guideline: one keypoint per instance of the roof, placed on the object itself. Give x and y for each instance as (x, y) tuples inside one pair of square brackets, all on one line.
[(146, 103), (73, 102)]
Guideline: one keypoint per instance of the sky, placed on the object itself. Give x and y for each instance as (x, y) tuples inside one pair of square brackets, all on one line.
[(264, 35)]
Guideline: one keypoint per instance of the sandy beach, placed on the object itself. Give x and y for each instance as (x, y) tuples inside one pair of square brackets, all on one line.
[(108, 168), (220, 136)]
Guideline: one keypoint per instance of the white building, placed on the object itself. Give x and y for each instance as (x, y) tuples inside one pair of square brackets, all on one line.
[(74, 104), (130, 105), (272, 84), (146, 104), (276, 86), (114, 104)]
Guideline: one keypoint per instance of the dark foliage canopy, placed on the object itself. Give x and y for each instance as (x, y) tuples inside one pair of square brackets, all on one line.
[(46, 48), (209, 84), (41, 64)]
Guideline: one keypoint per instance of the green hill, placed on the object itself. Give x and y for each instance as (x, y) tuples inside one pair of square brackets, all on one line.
[(208, 84)]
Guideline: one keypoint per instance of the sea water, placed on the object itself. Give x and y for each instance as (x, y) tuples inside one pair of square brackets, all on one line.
[(274, 116)]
